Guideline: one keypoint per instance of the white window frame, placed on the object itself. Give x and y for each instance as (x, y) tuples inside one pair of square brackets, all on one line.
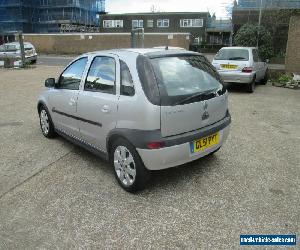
[(108, 24), (150, 23), (140, 23), (191, 23), (163, 23)]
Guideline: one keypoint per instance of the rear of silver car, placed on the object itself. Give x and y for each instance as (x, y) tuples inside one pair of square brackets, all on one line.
[(234, 65), (194, 109)]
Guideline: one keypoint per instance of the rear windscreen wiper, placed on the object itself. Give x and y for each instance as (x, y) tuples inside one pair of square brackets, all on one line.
[(237, 58), (199, 96)]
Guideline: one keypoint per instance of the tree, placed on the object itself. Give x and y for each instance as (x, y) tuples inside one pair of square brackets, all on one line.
[(248, 35)]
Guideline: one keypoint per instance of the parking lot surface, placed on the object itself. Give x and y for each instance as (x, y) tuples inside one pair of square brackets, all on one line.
[(56, 195)]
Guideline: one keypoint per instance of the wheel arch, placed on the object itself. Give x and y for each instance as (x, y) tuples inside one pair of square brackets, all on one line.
[(112, 137), (40, 104)]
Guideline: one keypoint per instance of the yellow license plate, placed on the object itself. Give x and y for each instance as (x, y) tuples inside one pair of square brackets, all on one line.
[(204, 143), (228, 66)]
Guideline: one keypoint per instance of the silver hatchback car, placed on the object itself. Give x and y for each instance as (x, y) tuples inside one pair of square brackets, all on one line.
[(13, 50), (241, 65), (141, 109)]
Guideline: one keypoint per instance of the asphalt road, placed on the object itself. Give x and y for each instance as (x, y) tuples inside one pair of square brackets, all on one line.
[(54, 60), (56, 195)]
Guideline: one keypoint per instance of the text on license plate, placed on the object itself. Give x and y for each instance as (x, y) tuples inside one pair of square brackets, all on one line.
[(228, 66), (204, 143)]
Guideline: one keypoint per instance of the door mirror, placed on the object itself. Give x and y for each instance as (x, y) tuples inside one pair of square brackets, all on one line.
[(50, 83)]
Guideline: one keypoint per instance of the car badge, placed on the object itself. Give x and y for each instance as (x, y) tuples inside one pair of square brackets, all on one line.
[(205, 115)]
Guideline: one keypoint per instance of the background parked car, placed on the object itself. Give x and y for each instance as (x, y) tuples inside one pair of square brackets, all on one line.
[(13, 50), (241, 65)]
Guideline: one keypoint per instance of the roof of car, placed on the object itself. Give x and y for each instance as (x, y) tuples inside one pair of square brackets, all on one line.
[(236, 47), (151, 52)]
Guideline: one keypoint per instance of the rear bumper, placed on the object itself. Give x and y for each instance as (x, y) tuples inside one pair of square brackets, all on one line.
[(168, 157), (237, 77)]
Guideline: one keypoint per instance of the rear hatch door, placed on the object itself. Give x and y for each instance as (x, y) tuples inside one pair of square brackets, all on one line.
[(192, 95)]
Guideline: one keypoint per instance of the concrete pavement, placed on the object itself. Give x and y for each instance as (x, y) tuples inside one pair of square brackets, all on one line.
[(56, 195)]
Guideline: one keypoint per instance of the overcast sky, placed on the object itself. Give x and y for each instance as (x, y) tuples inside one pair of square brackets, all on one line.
[(130, 6)]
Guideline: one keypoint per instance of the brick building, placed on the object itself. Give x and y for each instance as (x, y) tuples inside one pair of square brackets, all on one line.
[(194, 23), (275, 17)]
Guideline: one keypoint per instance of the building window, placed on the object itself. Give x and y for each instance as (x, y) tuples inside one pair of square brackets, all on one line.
[(163, 23), (191, 23), (197, 40), (113, 23), (150, 23), (137, 24)]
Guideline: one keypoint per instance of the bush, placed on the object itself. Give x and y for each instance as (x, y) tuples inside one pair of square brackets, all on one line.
[(247, 36), (285, 78)]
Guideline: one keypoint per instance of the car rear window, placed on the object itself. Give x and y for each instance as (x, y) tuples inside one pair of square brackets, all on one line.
[(181, 77), (10, 48), (233, 54)]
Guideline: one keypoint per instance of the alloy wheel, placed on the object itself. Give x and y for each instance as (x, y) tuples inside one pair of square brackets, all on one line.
[(124, 166), (44, 121)]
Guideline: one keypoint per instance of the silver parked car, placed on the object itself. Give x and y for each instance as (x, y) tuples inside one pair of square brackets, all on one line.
[(141, 109), (241, 65), (13, 50)]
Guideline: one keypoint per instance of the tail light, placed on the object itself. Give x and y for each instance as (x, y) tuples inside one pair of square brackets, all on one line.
[(156, 145), (247, 69)]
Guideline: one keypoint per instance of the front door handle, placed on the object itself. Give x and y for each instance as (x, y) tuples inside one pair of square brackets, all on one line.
[(105, 109)]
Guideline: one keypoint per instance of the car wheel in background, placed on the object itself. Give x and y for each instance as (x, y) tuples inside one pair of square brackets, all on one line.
[(251, 86), (129, 169), (46, 123), (266, 78)]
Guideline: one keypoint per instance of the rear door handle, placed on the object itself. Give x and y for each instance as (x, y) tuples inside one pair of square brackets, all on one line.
[(105, 109), (72, 102)]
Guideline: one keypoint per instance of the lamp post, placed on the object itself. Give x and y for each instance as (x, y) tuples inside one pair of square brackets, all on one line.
[(259, 21)]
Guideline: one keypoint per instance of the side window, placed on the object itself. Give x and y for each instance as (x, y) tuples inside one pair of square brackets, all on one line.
[(71, 77), (102, 75), (255, 55), (127, 86)]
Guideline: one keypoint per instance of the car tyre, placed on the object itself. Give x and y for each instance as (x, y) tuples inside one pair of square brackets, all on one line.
[(251, 86), (46, 123), (129, 168), (266, 78)]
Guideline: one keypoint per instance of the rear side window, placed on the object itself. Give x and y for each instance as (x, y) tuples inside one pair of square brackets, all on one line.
[(71, 77), (181, 77), (255, 55), (127, 86), (232, 54), (102, 75), (148, 80)]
